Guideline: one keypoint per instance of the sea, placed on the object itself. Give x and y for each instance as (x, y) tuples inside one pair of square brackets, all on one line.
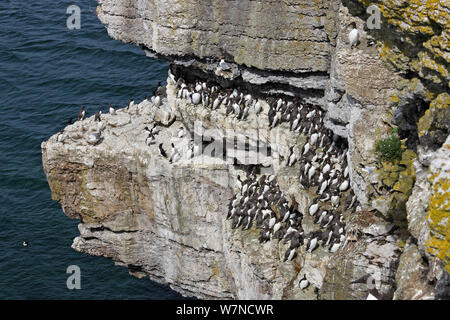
[(47, 71)]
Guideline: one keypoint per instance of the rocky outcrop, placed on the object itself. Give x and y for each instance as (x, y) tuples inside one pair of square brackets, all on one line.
[(168, 221)]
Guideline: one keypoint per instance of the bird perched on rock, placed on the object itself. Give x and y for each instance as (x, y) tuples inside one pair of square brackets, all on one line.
[(303, 283), (81, 114), (130, 104), (224, 66), (353, 36), (60, 137), (180, 133), (94, 138), (150, 139), (161, 151), (98, 116), (112, 110)]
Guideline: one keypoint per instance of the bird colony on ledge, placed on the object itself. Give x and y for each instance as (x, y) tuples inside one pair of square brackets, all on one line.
[(322, 165), (258, 201)]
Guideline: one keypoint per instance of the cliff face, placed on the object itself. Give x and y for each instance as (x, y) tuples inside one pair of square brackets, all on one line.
[(168, 221)]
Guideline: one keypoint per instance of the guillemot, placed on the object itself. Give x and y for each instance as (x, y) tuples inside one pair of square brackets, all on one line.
[(150, 139), (162, 153), (81, 114), (130, 103), (112, 110), (353, 35), (98, 116), (60, 137)]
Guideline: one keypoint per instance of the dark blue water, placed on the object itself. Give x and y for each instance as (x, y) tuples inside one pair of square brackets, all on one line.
[(46, 72)]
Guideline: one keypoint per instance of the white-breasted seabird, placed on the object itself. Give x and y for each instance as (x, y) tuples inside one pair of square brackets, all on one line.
[(335, 246), (257, 107), (312, 244), (112, 110), (175, 155), (353, 36), (223, 65), (313, 209), (292, 157), (81, 114), (180, 133), (196, 98), (60, 137), (156, 101), (305, 148), (130, 103), (98, 116), (94, 138), (344, 185), (290, 254), (100, 125), (303, 283), (25, 243)]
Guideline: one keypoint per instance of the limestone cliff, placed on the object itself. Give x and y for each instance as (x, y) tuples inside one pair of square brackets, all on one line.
[(168, 221)]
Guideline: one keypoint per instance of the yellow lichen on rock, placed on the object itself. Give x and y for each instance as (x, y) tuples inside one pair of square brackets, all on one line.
[(438, 217), (435, 115), (425, 18)]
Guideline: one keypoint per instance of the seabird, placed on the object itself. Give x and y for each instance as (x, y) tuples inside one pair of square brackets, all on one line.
[(98, 115), (130, 104), (238, 184), (25, 243), (314, 138), (60, 137), (217, 102), (313, 209), (100, 125), (162, 153), (323, 187), (290, 254), (303, 283), (156, 100), (353, 36), (93, 138), (367, 170), (312, 244), (150, 139), (335, 246), (311, 172), (257, 107), (81, 114), (223, 65), (180, 133), (175, 155), (111, 109), (196, 98), (292, 157), (305, 148), (344, 185), (335, 199), (272, 222), (295, 122)]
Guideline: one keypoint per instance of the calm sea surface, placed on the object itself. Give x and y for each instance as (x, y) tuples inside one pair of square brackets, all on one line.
[(46, 72)]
